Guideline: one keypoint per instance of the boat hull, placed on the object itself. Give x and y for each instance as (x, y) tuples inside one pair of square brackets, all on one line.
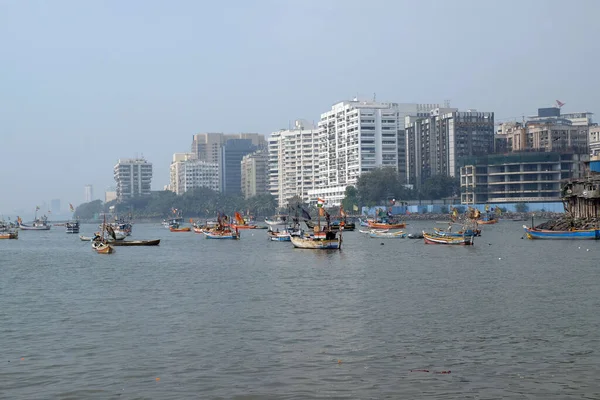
[(532, 233), (9, 235), (387, 235), (234, 226), (186, 229), (431, 239), (102, 248), (318, 244), (224, 235), (136, 243), (34, 228), (487, 222), (381, 225)]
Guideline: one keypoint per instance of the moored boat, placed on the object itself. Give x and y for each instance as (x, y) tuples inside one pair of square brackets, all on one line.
[(388, 235), (39, 224), (318, 241), (588, 234), (435, 239), (102, 247), (72, 227), (279, 236), (386, 225), (9, 234), (155, 242), (180, 229), (222, 234)]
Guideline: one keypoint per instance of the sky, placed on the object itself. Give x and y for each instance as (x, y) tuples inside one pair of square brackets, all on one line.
[(84, 83)]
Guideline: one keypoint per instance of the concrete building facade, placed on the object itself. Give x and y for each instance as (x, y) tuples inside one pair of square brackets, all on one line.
[(594, 140), (187, 172), (293, 162), (436, 144), (133, 177), (254, 168)]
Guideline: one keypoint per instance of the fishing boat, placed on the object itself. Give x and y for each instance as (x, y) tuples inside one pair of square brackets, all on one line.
[(415, 235), (9, 234), (99, 243), (241, 223), (335, 225), (222, 234), (135, 243), (279, 236), (487, 221), (575, 234), (72, 227), (39, 224), (319, 240), (460, 233), (180, 229), (436, 239), (325, 239), (367, 231), (388, 235), (279, 221)]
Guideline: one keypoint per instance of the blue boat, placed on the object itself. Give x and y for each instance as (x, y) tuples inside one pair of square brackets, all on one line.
[(589, 234)]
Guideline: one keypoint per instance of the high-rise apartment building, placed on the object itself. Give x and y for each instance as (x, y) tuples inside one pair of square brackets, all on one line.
[(187, 172), (254, 169), (133, 177), (294, 162), (207, 146), (232, 152), (435, 145), (88, 193), (356, 137)]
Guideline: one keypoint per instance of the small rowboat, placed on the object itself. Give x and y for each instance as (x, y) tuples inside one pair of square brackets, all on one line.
[(9, 235), (384, 225), (487, 221), (222, 235), (373, 230), (185, 229), (459, 241), (102, 248), (388, 235), (242, 226)]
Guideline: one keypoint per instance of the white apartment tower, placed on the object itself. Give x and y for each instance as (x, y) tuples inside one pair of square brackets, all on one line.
[(359, 136), (293, 162), (88, 193), (133, 177), (187, 172)]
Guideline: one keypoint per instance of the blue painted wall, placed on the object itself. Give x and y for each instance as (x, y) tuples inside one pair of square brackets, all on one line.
[(437, 209)]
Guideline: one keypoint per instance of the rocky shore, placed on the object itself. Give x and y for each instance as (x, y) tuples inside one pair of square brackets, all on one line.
[(565, 223)]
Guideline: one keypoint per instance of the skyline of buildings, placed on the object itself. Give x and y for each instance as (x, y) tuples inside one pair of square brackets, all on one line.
[(254, 173)]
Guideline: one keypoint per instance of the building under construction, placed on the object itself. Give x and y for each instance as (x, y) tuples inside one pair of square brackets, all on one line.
[(581, 197)]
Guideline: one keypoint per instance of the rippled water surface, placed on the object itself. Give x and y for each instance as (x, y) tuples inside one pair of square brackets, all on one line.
[(253, 319)]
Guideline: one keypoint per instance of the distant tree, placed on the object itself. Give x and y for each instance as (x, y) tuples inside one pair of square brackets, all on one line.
[(381, 185), (351, 199), (521, 207), (440, 186), (89, 210)]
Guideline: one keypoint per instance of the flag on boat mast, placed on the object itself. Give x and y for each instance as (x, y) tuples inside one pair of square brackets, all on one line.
[(320, 202)]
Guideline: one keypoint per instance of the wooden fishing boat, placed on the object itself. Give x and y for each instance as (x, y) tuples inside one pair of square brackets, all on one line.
[(588, 234), (336, 225), (199, 229), (85, 238), (318, 241), (102, 247), (459, 241), (388, 235), (99, 243), (222, 234), (281, 236), (9, 235), (242, 226), (135, 243), (487, 221), (386, 225), (183, 229), (461, 233), (367, 231)]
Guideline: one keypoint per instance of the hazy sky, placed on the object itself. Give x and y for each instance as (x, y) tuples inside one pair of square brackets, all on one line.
[(84, 83)]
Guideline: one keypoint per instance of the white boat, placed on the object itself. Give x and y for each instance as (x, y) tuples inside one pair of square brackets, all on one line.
[(373, 230), (39, 224), (72, 227), (280, 221), (319, 241), (388, 235), (279, 236)]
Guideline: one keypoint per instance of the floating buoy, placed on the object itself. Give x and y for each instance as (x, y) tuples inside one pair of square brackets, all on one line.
[(22, 358), (157, 379), (339, 361)]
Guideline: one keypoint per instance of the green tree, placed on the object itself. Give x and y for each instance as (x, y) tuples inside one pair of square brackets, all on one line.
[(89, 210), (380, 186), (440, 186), (521, 207), (351, 199)]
